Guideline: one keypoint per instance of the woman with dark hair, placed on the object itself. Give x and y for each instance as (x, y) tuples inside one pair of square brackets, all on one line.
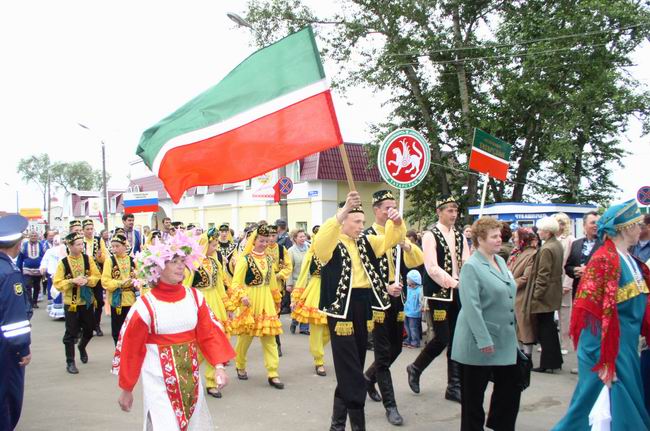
[(506, 245), (520, 264)]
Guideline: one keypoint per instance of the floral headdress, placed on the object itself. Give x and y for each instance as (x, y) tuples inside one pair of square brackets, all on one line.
[(152, 260)]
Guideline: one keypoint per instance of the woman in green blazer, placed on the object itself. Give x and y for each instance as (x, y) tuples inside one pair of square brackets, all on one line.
[(485, 342)]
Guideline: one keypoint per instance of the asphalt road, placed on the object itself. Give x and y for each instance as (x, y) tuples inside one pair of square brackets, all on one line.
[(88, 401)]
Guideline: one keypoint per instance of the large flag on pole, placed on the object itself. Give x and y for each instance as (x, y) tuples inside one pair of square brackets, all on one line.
[(273, 108)]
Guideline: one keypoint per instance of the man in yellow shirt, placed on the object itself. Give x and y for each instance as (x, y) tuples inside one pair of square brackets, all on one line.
[(117, 278), (75, 277), (95, 249), (283, 267), (387, 334), (352, 290)]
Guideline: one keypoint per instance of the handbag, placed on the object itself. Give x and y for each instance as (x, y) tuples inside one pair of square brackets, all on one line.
[(523, 367)]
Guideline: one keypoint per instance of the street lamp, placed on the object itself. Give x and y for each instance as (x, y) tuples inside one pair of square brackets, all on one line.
[(282, 171), (103, 178)]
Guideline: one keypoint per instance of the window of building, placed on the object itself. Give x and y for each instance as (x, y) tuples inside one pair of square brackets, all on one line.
[(301, 225)]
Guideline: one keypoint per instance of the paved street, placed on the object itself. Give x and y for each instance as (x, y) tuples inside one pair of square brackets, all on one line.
[(88, 401)]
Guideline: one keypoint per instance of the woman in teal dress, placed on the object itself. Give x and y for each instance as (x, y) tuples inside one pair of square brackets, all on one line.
[(609, 313)]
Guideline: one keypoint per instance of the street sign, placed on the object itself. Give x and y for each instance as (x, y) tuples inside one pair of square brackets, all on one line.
[(404, 158), (312, 193), (140, 202), (285, 185), (643, 195), (490, 155)]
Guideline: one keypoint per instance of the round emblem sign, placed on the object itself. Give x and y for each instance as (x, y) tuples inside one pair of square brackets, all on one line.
[(404, 158)]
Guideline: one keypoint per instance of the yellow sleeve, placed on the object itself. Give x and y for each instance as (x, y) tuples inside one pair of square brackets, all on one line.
[(285, 272), (59, 281), (189, 278), (382, 243), (108, 282), (94, 276), (221, 288), (275, 289), (238, 288), (414, 257), (327, 239)]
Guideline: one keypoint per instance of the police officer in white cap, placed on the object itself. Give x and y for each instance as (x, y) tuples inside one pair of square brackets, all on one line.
[(15, 328)]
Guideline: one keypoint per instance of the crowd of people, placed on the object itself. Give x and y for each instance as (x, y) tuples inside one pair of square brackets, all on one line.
[(488, 294)]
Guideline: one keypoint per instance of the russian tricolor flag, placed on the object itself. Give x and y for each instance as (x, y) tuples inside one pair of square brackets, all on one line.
[(142, 202)]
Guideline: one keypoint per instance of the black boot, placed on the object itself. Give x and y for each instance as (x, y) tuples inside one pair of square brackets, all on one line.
[(339, 415), (453, 381), (69, 359), (83, 355), (371, 378), (357, 419), (414, 378), (385, 383)]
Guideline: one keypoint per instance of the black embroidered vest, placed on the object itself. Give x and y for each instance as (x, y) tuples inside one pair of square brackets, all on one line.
[(430, 288), (202, 278), (336, 280), (254, 275), (384, 268), (224, 253)]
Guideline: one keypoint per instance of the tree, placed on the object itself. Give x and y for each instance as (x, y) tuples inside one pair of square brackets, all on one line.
[(76, 176), (547, 76), (36, 169)]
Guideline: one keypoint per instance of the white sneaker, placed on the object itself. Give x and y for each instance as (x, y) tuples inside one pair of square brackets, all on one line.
[(574, 371), (564, 351)]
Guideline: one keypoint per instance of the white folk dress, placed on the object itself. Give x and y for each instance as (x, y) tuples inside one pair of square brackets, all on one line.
[(160, 341)]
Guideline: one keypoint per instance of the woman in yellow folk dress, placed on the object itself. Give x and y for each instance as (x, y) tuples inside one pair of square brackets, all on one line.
[(255, 291), (208, 278), (305, 299)]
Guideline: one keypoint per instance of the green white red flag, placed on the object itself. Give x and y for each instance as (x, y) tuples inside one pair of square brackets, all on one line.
[(490, 155), (272, 109)]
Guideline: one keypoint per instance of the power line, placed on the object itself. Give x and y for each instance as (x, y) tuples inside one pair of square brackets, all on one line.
[(524, 42)]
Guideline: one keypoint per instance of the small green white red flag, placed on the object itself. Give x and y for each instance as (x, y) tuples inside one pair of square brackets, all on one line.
[(490, 155), (273, 108)]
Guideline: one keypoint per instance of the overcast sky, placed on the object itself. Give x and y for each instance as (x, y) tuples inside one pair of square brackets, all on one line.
[(121, 66)]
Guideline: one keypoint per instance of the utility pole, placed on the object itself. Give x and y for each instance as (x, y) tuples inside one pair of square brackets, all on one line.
[(104, 186), (284, 213), (49, 203)]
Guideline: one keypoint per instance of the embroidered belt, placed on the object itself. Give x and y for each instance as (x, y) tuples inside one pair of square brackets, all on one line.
[(629, 291)]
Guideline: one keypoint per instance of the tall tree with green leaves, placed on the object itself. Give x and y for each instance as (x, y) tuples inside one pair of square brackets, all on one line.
[(76, 176), (36, 169)]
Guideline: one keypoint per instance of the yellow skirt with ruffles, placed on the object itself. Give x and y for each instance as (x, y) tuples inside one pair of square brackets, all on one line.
[(216, 305), (306, 308), (261, 317)]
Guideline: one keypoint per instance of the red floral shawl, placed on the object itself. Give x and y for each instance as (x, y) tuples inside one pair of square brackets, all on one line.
[(595, 305)]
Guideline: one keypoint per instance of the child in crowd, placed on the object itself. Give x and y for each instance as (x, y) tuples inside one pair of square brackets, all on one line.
[(413, 309)]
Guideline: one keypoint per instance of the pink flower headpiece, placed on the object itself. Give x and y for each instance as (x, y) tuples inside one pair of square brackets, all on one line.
[(152, 260)]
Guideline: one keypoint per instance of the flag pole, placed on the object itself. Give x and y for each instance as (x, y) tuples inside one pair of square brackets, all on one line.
[(398, 254), (485, 184), (346, 167)]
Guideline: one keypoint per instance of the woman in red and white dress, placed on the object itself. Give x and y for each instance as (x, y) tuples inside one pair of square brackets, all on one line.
[(161, 338)]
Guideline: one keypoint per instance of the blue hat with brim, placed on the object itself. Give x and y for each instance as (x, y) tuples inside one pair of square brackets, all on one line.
[(12, 227), (618, 217)]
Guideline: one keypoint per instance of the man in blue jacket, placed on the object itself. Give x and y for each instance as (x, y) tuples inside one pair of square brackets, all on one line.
[(15, 328)]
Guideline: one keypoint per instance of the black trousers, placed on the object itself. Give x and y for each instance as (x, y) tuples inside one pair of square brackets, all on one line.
[(504, 403), (549, 339), (444, 316), (349, 351), (117, 320), (388, 346), (77, 322), (98, 292), (33, 285)]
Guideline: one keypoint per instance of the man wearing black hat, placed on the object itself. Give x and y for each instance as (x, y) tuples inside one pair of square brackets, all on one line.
[(75, 277), (15, 329), (389, 324), (351, 289), (95, 249), (283, 234), (445, 249)]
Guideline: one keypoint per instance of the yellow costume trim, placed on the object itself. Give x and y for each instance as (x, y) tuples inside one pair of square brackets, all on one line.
[(256, 326), (400, 316), (344, 329), (378, 316), (305, 314), (371, 325), (439, 315), (629, 291)]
